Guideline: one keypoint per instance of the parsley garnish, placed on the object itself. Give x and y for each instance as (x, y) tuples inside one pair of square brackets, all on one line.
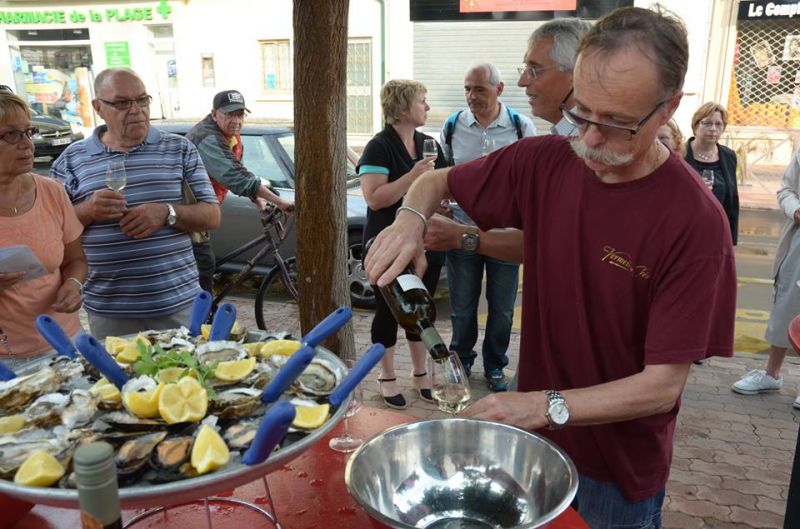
[(150, 364)]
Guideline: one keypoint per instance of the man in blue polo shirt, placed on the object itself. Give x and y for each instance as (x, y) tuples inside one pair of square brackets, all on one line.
[(142, 273)]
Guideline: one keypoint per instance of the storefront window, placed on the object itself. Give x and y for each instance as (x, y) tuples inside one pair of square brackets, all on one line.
[(359, 86), (765, 86)]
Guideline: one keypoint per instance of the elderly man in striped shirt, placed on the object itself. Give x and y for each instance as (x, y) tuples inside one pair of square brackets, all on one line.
[(142, 272)]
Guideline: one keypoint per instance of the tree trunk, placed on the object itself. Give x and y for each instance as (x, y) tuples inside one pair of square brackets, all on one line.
[(320, 106)]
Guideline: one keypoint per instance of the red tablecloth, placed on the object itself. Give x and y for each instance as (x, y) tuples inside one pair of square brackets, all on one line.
[(309, 493)]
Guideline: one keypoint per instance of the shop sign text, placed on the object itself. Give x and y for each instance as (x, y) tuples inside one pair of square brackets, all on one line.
[(127, 14), (768, 10)]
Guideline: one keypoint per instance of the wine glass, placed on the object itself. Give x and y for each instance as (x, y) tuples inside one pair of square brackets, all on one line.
[(346, 442), (488, 145), (708, 178), (429, 150), (115, 176), (449, 384)]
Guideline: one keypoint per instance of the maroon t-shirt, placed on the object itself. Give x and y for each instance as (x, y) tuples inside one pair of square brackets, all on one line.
[(616, 276)]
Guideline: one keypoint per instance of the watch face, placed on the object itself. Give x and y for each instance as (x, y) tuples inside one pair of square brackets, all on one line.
[(559, 413), (469, 242)]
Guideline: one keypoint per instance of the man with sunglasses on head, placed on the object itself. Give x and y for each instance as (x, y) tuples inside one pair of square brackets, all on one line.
[(628, 269), (219, 141), (142, 272)]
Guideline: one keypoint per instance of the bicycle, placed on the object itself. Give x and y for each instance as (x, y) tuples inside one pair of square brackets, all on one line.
[(276, 225)]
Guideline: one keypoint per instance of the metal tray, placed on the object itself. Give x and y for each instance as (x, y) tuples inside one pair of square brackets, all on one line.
[(177, 492)]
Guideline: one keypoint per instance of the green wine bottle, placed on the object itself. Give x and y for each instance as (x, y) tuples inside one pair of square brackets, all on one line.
[(413, 308), (96, 476)]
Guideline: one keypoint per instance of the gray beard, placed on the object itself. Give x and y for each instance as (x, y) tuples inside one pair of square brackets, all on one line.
[(602, 156)]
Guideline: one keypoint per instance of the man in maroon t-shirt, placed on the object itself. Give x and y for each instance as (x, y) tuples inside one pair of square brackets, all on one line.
[(628, 267)]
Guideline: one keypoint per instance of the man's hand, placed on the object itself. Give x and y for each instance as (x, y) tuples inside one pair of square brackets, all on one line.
[(524, 410), (443, 233), (9, 279), (394, 248), (144, 220), (287, 206), (106, 204), (68, 297)]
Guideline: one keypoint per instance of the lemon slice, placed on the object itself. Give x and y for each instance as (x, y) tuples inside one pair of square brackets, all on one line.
[(130, 353), (235, 370), (115, 344), (184, 401), (107, 391), (40, 469), (205, 330), (144, 404), (11, 423), (280, 347), (310, 417), (209, 451), (254, 348), (173, 374)]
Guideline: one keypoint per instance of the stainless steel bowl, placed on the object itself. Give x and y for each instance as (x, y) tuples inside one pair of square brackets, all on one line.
[(463, 473)]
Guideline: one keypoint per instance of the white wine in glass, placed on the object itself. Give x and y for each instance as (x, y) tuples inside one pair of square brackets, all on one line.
[(115, 176), (708, 178), (429, 150), (449, 384), (347, 442)]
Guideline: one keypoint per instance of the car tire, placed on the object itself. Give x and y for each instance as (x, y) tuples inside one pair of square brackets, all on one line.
[(362, 294)]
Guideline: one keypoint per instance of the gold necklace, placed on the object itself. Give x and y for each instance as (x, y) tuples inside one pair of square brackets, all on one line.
[(13, 209)]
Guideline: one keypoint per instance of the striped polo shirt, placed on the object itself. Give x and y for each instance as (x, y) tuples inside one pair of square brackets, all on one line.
[(130, 278)]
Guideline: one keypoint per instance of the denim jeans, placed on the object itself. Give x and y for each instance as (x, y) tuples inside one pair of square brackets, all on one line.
[(464, 277), (602, 506)]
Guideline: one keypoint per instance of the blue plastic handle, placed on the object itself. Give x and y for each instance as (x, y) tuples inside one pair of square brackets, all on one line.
[(287, 373), (96, 354), (223, 322), (357, 373), (55, 335), (332, 323), (200, 311), (272, 429), (6, 373)]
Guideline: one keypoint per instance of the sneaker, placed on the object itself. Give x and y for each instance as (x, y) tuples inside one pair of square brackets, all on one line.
[(496, 380), (757, 381)]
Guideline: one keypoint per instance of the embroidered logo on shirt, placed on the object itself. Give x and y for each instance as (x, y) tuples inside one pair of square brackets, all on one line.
[(625, 262)]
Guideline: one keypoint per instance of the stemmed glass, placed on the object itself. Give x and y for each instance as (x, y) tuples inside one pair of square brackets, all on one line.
[(708, 178), (449, 384), (346, 442), (429, 150), (488, 145), (115, 176)]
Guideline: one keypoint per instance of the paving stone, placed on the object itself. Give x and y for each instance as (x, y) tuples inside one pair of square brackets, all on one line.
[(726, 497), (756, 518), (678, 520), (700, 508), (719, 469), (768, 504)]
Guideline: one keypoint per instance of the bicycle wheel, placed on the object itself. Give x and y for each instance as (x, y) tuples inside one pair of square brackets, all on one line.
[(274, 288)]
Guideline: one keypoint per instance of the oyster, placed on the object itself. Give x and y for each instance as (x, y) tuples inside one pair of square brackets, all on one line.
[(81, 409), (135, 453), (15, 448), (238, 436), (320, 377), (125, 422), (235, 403), (171, 459), (220, 351), (46, 410), (19, 391)]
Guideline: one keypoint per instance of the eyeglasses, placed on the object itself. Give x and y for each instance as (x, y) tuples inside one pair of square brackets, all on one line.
[(126, 104), (713, 125), (609, 131), (12, 137), (533, 71)]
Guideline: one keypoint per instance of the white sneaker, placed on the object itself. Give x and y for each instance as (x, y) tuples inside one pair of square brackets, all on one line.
[(796, 402), (757, 381)]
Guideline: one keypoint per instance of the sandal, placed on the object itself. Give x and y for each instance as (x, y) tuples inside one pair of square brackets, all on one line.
[(397, 402), (424, 393)]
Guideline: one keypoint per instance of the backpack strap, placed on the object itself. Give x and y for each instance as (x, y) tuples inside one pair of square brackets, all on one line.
[(449, 128), (514, 117)]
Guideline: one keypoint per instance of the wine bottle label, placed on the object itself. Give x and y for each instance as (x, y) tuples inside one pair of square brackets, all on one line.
[(431, 338), (410, 282)]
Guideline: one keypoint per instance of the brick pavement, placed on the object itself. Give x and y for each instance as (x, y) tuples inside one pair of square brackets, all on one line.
[(733, 454)]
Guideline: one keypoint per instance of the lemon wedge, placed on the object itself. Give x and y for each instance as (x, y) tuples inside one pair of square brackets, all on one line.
[(173, 374), (130, 353), (115, 344), (235, 370), (205, 330), (40, 469), (144, 404), (310, 417), (107, 391), (280, 347), (184, 401), (11, 423), (209, 451), (254, 348)]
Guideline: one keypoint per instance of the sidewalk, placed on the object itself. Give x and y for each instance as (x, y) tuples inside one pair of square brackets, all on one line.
[(733, 454)]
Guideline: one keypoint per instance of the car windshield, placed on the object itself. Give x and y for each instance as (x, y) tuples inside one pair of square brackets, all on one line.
[(259, 159), (287, 142)]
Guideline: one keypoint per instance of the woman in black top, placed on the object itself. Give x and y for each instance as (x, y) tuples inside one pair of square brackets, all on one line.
[(391, 161), (703, 152)]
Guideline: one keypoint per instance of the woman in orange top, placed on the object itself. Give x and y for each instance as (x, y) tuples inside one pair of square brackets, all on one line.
[(35, 212)]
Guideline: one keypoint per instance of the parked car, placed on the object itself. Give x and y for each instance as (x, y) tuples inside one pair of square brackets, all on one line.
[(54, 135), (269, 154)]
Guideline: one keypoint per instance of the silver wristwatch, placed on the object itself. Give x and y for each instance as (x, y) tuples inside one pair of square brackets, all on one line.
[(557, 413), (172, 218), (470, 240)]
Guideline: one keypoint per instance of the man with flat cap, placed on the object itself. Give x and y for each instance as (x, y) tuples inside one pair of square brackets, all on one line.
[(219, 142)]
